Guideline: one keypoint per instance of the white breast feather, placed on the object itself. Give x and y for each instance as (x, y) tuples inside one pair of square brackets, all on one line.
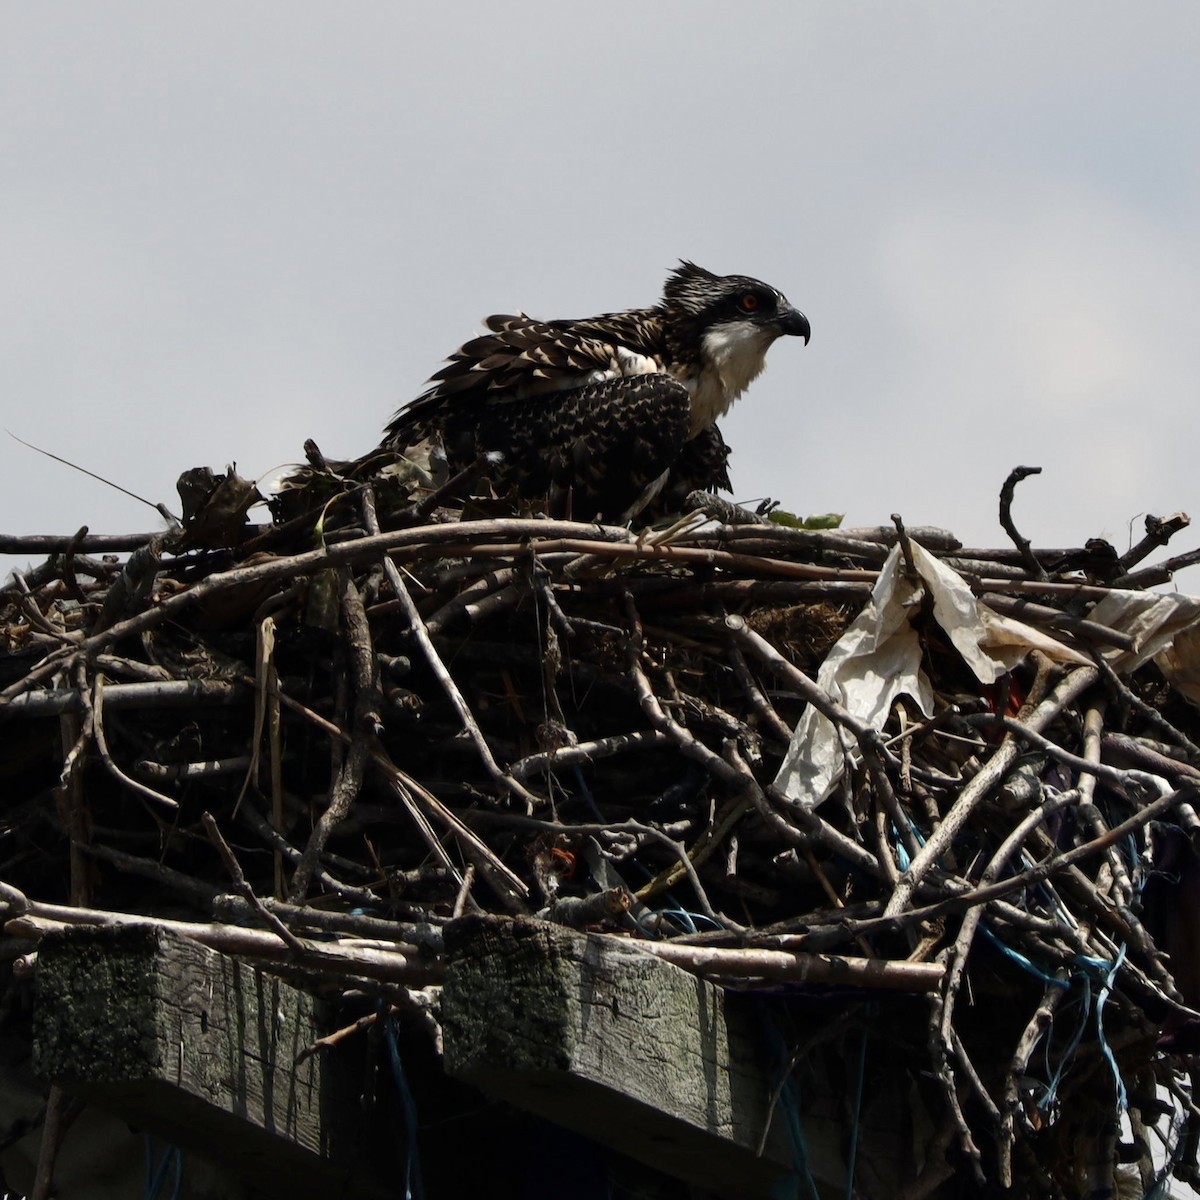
[(733, 353)]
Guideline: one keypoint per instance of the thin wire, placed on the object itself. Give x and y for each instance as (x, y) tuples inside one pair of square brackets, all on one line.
[(858, 1095)]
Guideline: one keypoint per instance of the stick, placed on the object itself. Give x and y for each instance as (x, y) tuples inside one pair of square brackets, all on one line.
[(243, 887)]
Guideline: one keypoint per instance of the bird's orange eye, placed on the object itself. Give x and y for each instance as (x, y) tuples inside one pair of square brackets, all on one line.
[(748, 302)]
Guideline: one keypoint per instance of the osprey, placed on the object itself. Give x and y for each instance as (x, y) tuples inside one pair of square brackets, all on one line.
[(600, 414)]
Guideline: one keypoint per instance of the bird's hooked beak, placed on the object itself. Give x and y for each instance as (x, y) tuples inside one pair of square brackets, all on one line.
[(793, 322)]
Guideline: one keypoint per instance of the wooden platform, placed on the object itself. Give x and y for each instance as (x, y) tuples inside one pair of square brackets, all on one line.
[(201, 1049), (633, 1052)]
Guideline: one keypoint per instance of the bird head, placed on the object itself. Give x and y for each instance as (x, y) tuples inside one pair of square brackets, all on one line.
[(699, 301)]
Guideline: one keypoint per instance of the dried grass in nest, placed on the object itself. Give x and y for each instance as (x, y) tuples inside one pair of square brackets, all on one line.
[(805, 633)]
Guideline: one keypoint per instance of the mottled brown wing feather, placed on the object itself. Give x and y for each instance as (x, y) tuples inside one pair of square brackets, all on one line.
[(522, 353)]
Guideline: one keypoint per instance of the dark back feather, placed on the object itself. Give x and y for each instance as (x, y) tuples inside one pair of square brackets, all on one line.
[(522, 356)]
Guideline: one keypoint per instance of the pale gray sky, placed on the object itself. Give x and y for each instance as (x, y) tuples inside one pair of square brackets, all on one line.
[(227, 227)]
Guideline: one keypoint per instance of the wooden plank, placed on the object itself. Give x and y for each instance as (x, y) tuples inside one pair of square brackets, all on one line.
[(596, 1035), (201, 1049)]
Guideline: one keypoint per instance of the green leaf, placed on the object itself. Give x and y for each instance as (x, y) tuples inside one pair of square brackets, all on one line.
[(818, 521)]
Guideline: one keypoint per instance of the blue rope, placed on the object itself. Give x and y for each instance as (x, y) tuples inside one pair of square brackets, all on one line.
[(1174, 1144), (1106, 1049), (1055, 1076), (412, 1162), (788, 1188), (1024, 963), (902, 857), (156, 1173), (686, 918), (586, 793), (1107, 972)]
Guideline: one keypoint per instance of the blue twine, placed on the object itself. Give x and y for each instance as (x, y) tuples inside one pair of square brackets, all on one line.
[(1099, 965), (586, 793), (156, 1173), (788, 1188), (1054, 1077), (902, 856), (686, 918), (1024, 963), (1087, 966), (1174, 1143), (412, 1163), (1106, 1049)]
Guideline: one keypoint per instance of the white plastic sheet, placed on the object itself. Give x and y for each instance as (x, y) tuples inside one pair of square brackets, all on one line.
[(878, 658)]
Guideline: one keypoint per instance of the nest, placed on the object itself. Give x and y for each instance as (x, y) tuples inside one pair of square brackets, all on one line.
[(315, 743)]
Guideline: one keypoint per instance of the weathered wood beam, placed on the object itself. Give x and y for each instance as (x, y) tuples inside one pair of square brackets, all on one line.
[(201, 1049), (595, 1034)]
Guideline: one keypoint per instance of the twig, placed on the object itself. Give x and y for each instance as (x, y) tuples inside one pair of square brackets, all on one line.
[(811, 968), (939, 1055), (1147, 711), (339, 1035), (139, 789), (406, 787), (177, 692), (395, 964), (39, 543), (615, 828), (196, 891), (35, 615), (508, 886), (1119, 779), (910, 566), (69, 795), (1034, 1029), (1159, 531), (1023, 545), (1054, 864), (60, 1112), (766, 711), (464, 892), (706, 845), (276, 841), (426, 934), (243, 887), (1028, 610), (1161, 572), (587, 752), (1093, 731)]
